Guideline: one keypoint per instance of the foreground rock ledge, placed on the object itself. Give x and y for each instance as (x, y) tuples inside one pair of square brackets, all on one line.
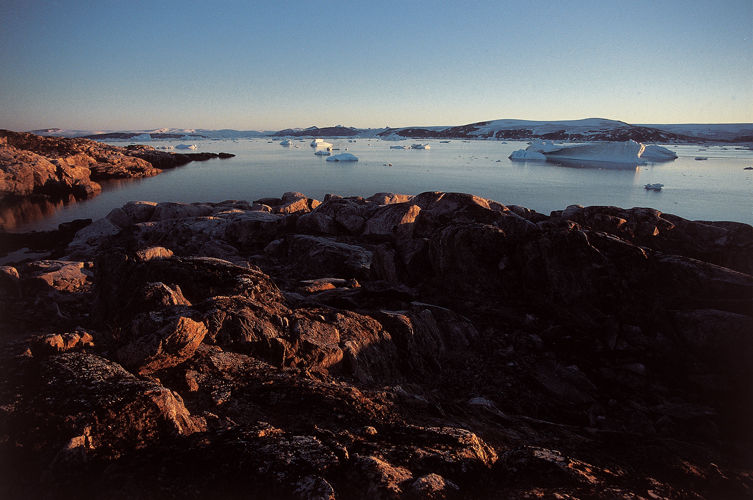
[(431, 346)]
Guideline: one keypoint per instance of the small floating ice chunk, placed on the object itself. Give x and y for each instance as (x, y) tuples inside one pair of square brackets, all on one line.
[(342, 157), (286, 142), (319, 143), (654, 187), (420, 146), (186, 146), (322, 152)]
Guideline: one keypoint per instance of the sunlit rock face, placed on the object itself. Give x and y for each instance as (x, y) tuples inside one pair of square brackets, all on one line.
[(56, 167), (439, 345)]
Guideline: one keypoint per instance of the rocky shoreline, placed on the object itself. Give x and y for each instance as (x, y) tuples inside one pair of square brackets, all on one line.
[(56, 167), (404, 347)]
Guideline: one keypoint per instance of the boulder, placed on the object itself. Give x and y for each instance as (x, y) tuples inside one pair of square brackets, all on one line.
[(88, 239), (392, 222), (255, 229), (172, 210), (161, 340), (324, 257), (57, 274), (316, 223), (84, 395), (293, 202), (347, 214), (389, 198), (375, 479)]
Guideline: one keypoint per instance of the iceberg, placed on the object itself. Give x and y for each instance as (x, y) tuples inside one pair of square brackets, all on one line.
[(322, 152), (343, 157), (399, 147), (141, 138), (319, 143), (186, 146), (654, 152), (610, 152), (523, 155), (420, 146), (624, 153), (286, 142)]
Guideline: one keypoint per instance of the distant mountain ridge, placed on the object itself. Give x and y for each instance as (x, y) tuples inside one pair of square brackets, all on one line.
[(589, 129)]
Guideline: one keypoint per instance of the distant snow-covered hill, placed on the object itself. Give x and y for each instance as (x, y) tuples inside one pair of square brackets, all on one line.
[(733, 132), (590, 129)]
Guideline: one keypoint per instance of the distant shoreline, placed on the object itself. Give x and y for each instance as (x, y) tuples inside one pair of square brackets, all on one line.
[(586, 129)]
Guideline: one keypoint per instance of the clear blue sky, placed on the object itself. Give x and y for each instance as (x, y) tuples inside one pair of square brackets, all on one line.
[(269, 65)]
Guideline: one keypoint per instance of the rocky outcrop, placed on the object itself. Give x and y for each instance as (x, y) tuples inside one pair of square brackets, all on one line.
[(58, 167), (431, 346)]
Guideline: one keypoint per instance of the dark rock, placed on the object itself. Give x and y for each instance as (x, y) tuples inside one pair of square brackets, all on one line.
[(436, 346)]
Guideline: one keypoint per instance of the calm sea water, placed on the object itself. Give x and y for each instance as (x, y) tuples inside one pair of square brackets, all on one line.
[(718, 188)]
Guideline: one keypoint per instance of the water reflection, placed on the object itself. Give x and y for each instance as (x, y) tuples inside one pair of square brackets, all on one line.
[(21, 212), (604, 165), (27, 210)]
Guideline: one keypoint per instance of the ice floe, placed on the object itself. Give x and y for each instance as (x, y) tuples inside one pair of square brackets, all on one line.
[(343, 157)]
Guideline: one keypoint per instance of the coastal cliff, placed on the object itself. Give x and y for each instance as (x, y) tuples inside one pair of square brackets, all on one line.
[(432, 346)]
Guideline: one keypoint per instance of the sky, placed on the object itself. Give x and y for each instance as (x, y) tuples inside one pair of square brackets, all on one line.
[(271, 65)]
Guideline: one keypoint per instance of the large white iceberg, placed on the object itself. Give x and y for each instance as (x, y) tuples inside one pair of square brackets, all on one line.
[(612, 152), (629, 152), (343, 157)]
